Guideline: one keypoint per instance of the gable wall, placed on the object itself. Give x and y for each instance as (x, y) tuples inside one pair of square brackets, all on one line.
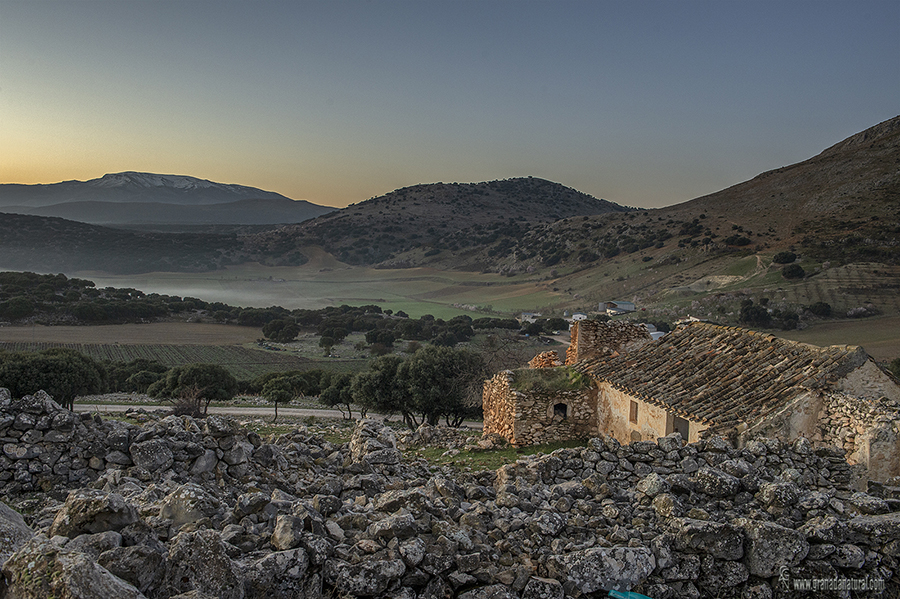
[(614, 412)]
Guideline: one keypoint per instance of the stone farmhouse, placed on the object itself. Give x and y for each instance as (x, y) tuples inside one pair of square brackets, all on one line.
[(705, 380)]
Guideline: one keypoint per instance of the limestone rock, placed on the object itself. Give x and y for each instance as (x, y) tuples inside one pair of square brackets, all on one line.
[(92, 511), (198, 561), (279, 575), (137, 565), (42, 569), (13, 530), (770, 546), (719, 540), (188, 503), (151, 455), (603, 568), (364, 578)]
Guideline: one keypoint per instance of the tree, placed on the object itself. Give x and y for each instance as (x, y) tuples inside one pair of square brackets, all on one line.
[(793, 271), (821, 309), (196, 382), (784, 257), (281, 330), (439, 383), (338, 393), (895, 367), (753, 314), (278, 390), (376, 388), (63, 373)]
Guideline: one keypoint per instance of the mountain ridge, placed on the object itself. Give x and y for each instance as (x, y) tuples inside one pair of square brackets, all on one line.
[(131, 186)]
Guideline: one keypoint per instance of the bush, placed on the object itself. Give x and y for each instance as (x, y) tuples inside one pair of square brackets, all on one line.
[(793, 271), (738, 240), (754, 315), (784, 257), (895, 367), (821, 309)]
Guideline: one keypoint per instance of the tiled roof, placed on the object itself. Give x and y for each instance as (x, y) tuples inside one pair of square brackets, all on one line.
[(722, 376)]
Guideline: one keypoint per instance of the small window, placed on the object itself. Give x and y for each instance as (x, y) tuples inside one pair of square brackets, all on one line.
[(633, 416), (561, 410)]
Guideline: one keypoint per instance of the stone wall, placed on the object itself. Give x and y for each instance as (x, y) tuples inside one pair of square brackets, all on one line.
[(547, 359), (498, 405), (533, 417), (591, 336), (866, 430), (310, 518)]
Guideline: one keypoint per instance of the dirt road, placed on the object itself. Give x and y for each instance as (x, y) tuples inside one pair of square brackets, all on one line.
[(243, 411)]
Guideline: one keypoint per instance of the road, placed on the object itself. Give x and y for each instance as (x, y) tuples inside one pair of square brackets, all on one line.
[(240, 411)]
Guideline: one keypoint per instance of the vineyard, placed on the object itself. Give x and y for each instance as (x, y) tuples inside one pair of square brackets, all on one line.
[(244, 363)]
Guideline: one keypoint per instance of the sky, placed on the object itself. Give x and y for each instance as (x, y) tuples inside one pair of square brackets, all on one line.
[(643, 103)]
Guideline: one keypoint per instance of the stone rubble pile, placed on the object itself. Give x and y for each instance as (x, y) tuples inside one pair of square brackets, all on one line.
[(182, 508)]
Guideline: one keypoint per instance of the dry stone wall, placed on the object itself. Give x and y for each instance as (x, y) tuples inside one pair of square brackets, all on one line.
[(499, 405), (547, 359), (314, 519)]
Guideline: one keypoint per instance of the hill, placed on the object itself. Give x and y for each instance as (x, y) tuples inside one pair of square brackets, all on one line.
[(418, 221), (268, 211), (44, 244), (147, 198)]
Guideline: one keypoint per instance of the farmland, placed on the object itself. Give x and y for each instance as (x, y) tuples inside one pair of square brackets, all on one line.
[(242, 362)]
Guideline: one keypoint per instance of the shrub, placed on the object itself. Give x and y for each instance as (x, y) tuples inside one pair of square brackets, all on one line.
[(820, 309), (793, 271), (784, 257)]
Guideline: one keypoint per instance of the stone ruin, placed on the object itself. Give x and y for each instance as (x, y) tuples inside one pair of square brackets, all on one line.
[(180, 508), (705, 380)]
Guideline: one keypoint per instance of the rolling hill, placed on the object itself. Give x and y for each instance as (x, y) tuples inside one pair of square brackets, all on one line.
[(400, 228), (147, 198)]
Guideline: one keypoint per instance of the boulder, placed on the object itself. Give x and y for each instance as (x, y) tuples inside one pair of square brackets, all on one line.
[(279, 575), (198, 561), (769, 547), (95, 544), (364, 578), (188, 503), (42, 569), (91, 511), (542, 588), (719, 540), (716, 483), (151, 455), (603, 568), (13, 530), (139, 565)]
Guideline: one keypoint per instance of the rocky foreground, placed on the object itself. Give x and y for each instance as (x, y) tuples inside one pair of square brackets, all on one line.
[(202, 508)]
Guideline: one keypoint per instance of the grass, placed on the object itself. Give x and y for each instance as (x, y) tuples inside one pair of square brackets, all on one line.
[(879, 336), (489, 459), (545, 380)]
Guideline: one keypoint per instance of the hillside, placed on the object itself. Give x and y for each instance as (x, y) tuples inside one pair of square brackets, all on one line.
[(422, 220), (148, 198), (44, 244), (268, 211)]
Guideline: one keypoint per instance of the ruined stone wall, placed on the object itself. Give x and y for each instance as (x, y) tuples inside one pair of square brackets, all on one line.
[(537, 422), (529, 418), (614, 418), (498, 405), (547, 359), (867, 430), (591, 336)]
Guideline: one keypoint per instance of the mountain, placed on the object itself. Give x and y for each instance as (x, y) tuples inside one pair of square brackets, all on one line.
[(267, 211), (147, 198), (425, 219)]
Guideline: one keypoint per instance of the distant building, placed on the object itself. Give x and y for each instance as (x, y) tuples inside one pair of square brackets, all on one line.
[(614, 308), (529, 317), (579, 316)]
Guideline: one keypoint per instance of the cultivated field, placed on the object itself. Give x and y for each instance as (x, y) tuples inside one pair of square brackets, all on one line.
[(416, 291), (880, 337), (180, 333)]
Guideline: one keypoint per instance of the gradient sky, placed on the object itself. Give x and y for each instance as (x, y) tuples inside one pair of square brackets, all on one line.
[(641, 103)]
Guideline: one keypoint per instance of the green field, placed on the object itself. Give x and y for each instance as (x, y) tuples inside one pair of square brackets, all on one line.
[(243, 362), (319, 284)]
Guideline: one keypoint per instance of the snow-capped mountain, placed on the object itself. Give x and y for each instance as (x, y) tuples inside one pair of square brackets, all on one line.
[(130, 187), (149, 198)]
